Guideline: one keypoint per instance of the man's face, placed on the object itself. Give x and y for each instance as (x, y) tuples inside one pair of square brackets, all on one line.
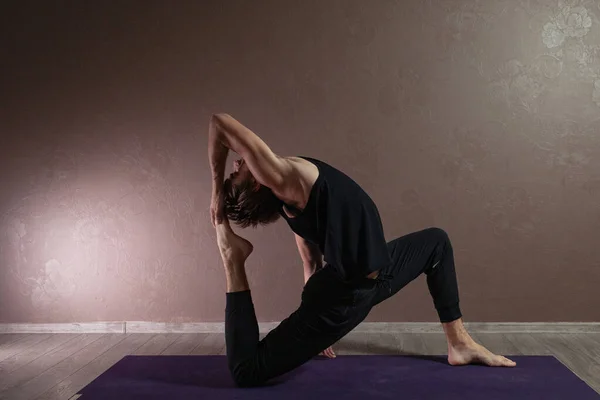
[(240, 173)]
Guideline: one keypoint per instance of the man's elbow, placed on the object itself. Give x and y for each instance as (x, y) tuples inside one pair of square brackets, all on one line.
[(219, 118)]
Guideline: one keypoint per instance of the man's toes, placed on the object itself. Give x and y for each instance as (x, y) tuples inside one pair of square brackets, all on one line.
[(500, 361), (508, 363), (495, 361)]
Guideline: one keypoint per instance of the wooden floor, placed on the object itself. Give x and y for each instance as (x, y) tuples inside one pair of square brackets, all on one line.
[(57, 366)]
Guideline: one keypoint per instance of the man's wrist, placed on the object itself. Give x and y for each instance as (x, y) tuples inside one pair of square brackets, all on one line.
[(217, 186), (217, 180), (310, 269)]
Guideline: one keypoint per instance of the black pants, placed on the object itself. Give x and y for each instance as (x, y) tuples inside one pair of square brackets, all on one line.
[(331, 308)]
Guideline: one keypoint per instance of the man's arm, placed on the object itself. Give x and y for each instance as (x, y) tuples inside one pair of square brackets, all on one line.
[(312, 259), (226, 133)]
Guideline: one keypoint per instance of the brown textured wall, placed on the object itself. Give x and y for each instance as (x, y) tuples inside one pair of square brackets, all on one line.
[(481, 117)]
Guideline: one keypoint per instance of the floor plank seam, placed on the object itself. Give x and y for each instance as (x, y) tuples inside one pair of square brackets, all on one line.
[(85, 365)]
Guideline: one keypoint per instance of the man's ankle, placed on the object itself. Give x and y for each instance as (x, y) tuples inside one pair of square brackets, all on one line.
[(456, 334)]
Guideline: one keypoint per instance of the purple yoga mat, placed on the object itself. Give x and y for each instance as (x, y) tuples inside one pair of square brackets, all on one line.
[(346, 377)]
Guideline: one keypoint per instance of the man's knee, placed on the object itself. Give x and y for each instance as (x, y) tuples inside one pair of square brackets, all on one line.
[(245, 381), (243, 376), (439, 235)]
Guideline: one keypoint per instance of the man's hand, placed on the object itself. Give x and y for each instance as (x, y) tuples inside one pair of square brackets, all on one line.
[(328, 352), (217, 156)]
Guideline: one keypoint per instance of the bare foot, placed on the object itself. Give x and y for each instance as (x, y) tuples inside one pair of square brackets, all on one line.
[(474, 353), (234, 248)]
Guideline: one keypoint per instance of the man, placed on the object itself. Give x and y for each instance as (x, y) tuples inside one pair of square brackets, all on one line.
[(333, 220)]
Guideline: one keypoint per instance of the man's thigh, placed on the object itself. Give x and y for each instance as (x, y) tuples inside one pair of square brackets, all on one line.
[(411, 255), (303, 335)]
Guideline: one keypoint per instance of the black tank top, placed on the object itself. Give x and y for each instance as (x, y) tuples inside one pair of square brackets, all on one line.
[(344, 222)]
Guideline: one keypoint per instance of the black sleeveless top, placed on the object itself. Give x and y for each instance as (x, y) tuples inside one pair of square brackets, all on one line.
[(344, 222)]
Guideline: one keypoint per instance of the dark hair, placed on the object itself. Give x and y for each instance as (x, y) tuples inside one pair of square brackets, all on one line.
[(248, 206)]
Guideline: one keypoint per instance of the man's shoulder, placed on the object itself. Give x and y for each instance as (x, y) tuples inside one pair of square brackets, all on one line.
[(301, 175)]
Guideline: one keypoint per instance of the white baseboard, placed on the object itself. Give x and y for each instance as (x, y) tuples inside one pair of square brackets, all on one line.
[(219, 327), (168, 327), (75, 327)]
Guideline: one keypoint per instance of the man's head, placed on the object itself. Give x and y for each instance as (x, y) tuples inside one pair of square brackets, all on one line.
[(247, 202)]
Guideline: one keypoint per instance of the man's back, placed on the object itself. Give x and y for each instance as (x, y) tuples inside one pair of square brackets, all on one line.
[(341, 218)]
